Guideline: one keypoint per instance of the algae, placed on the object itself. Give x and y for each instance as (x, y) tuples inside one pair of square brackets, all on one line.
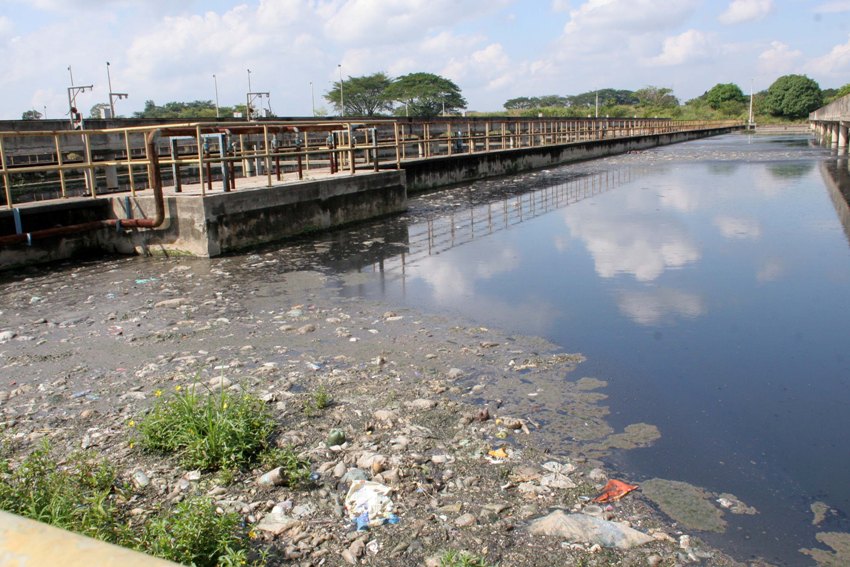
[(819, 510), (688, 505), (839, 542)]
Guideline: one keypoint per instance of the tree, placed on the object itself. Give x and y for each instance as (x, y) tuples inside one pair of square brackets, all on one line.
[(194, 109), (607, 97), (97, 110), (656, 96), (830, 95), (31, 115), (522, 103), (724, 93), (363, 96), (793, 96), (425, 94)]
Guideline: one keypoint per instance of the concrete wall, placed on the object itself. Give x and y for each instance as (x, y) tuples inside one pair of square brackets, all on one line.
[(836, 110), (42, 216), (224, 222), (437, 172)]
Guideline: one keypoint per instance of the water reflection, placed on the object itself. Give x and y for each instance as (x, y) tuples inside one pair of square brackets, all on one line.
[(651, 307), (836, 177), (792, 170), (737, 227)]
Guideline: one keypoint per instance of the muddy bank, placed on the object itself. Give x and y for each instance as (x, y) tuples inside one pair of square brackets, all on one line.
[(452, 418)]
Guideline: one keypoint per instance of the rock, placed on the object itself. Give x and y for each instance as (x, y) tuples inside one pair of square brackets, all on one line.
[(421, 404), (308, 328), (276, 523), (582, 528), (597, 475), (339, 470), (466, 521), (557, 480), (140, 479), (7, 336), (172, 303), (384, 415), (653, 560), (455, 373), (219, 383), (348, 557), (354, 474)]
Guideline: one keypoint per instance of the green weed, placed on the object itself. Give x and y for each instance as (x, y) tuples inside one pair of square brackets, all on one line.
[(295, 470), (209, 431), (452, 558), (319, 400)]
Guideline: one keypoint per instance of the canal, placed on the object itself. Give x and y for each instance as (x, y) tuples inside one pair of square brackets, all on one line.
[(706, 282)]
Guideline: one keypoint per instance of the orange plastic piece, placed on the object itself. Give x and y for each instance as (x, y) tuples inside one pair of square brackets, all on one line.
[(614, 490), (499, 453)]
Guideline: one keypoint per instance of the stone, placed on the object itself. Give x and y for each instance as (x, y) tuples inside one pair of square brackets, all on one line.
[(421, 404), (466, 520), (384, 415), (339, 470), (172, 303), (219, 383), (581, 528), (354, 474), (274, 477), (7, 336), (455, 373), (276, 523), (140, 479), (308, 328)]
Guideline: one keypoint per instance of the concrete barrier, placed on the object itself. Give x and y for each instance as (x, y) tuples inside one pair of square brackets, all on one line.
[(27, 543)]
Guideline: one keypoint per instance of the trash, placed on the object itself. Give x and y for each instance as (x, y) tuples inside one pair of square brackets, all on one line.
[(499, 453), (614, 490), (582, 528), (368, 504), (142, 281), (335, 437)]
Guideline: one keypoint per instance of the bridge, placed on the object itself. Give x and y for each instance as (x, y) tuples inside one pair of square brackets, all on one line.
[(831, 122), (205, 188)]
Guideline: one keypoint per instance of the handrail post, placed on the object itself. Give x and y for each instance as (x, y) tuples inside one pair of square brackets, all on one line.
[(5, 175)]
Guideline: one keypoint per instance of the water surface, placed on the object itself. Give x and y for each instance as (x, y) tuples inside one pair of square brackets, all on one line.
[(707, 282)]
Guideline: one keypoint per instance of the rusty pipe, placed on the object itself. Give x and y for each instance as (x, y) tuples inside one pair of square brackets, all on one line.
[(159, 202)]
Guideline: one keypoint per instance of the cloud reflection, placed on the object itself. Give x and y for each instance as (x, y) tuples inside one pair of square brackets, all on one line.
[(653, 306), (631, 244), (737, 227)]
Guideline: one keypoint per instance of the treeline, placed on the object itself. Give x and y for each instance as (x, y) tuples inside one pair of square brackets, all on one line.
[(790, 97)]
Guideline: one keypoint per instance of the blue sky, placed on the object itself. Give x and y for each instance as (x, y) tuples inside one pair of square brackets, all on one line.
[(167, 50)]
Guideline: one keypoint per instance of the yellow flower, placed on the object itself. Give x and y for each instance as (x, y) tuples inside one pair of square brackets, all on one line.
[(131, 423), (158, 393), (224, 406), (132, 443), (252, 534), (177, 388)]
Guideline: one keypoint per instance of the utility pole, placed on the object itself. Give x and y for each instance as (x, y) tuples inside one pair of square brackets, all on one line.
[(341, 96), (215, 83), (597, 104), (312, 100)]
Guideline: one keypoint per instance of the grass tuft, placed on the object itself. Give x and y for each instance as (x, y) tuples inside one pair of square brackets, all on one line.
[(209, 431), (452, 558)]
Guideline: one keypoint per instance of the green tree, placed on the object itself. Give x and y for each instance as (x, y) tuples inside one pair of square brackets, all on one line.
[(31, 115), (606, 97), (724, 93), (189, 110), (830, 95), (363, 96), (425, 94), (522, 103), (657, 97), (96, 110), (793, 96)]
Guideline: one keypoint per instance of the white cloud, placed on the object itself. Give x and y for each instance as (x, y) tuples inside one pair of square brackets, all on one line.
[(651, 307), (770, 270), (684, 48), (740, 11), (778, 59), (737, 227), (834, 64), (560, 5)]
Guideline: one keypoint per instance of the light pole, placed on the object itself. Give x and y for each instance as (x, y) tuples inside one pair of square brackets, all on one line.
[(341, 96), (750, 125), (112, 95), (72, 75), (312, 100), (597, 104), (215, 83)]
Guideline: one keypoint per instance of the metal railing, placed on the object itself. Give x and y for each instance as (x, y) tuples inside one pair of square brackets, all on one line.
[(207, 156)]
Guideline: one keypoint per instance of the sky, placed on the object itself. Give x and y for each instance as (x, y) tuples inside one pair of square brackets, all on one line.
[(494, 50)]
